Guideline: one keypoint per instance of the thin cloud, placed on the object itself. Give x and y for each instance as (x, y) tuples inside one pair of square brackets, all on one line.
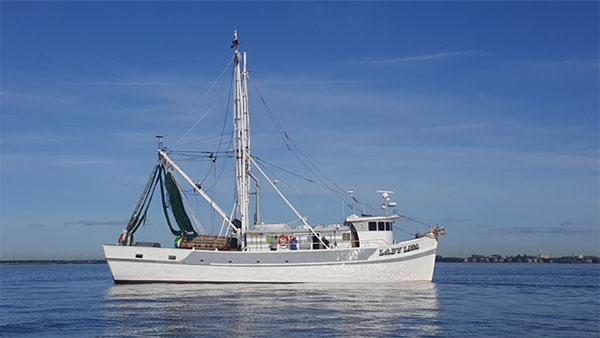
[(563, 228), (97, 223), (27, 138), (593, 63), (456, 127), (116, 83), (306, 82), (36, 225), (456, 220), (86, 162), (422, 57), (13, 97)]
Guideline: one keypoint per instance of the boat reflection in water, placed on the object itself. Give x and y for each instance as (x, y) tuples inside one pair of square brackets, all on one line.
[(409, 309)]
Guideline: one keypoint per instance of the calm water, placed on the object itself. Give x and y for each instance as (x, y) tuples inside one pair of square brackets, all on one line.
[(473, 300)]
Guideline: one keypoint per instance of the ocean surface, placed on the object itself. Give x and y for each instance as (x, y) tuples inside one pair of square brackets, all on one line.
[(465, 300)]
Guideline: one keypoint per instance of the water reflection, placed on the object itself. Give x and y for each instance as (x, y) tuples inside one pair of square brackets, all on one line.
[(265, 310)]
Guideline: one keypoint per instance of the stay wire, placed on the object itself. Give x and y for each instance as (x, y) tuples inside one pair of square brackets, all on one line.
[(200, 100), (289, 143), (413, 220), (272, 174), (201, 118), (213, 167), (222, 170), (284, 170), (408, 232), (212, 156), (200, 140)]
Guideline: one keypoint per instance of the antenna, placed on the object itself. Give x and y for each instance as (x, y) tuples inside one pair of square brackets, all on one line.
[(235, 42), (385, 193), (160, 141), (385, 201)]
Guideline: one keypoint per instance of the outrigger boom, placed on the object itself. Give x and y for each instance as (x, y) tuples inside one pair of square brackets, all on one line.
[(212, 203)]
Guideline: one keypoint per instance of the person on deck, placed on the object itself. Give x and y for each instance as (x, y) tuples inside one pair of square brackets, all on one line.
[(293, 243), (273, 245), (325, 241)]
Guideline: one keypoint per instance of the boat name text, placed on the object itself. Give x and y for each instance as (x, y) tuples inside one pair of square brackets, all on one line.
[(398, 250)]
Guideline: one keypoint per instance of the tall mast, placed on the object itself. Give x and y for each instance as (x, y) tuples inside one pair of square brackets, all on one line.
[(242, 141), (246, 115)]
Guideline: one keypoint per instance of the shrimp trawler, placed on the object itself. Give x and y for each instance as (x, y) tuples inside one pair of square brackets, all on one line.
[(247, 250)]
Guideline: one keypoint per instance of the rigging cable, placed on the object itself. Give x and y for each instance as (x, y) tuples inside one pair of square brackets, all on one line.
[(198, 104), (413, 220), (282, 169), (201, 117), (200, 140), (341, 193), (222, 169), (212, 156), (272, 174), (289, 143), (399, 228), (191, 210)]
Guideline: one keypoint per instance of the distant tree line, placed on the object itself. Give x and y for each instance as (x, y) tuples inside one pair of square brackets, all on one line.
[(53, 261)]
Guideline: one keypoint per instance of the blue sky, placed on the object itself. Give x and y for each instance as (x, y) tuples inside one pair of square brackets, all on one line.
[(480, 116)]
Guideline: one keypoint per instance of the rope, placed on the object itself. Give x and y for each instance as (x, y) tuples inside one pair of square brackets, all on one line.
[(282, 169), (216, 178), (303, 159), (413, 220), (200, 140), (201, 118), (399, 228), (272, 174), (200, 100)]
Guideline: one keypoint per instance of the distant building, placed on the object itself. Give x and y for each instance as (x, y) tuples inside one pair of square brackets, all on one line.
[(540, 258)]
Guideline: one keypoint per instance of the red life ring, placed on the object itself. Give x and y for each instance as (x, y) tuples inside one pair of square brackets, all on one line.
[(283, 240)]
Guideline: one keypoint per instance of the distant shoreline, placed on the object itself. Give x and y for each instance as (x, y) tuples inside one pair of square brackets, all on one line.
[(52, 261), (539, 259)]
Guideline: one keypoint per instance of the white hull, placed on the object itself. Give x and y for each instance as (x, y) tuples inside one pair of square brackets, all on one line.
[(411, 260)]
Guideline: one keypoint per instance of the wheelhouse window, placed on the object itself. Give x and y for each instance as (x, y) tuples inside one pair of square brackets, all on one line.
[(372, 226), (388, 226), (381, 226), (346, 236)]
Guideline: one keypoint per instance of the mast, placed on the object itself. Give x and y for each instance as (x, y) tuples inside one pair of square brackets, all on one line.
[(242, 141)]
